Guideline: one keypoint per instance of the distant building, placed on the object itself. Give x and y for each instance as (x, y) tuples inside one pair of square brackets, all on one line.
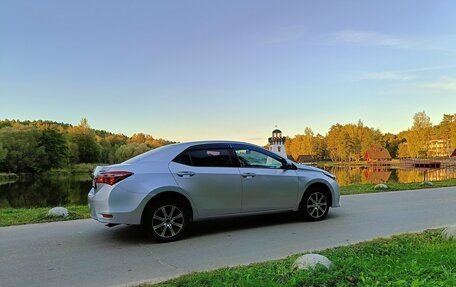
[(277, 143), (305, 158), (377, 153), (439, 148)]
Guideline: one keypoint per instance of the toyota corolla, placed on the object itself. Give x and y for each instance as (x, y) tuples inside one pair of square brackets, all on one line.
[(167, 188)]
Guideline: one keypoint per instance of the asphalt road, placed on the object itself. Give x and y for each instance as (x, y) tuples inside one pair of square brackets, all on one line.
[(86, 253)]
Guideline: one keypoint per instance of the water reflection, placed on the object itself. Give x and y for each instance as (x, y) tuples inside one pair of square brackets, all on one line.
[(40, 191), (347, 175)]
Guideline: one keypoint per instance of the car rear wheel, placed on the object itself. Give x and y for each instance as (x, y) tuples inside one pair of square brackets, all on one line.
[(315, 204), (166, 220)]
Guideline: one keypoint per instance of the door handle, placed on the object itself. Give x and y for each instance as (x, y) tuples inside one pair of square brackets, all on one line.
[(248, 174), (185, 173)]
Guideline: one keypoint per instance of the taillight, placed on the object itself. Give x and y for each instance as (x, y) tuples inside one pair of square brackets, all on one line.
[(112, 177)]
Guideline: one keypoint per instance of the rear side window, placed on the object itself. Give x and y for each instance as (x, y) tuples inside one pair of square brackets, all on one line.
[(183, 158), (211, 157)]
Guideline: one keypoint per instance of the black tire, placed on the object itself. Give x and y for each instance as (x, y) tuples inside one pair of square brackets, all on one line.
[(315, 204), (166, 220)]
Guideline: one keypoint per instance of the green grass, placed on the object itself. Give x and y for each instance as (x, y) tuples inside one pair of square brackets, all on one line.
[(16, 216), (75, 169), (424, 259), (393, 186)]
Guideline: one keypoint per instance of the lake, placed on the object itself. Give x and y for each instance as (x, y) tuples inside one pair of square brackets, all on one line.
[(49, 191), (347, 175), (45, 191)]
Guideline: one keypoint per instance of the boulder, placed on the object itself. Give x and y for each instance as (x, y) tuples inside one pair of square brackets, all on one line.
[(58, 212), (311, 261), (449, 232), (381, 186)]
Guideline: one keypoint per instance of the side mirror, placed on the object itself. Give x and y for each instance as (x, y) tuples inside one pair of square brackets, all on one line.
[(288, 165)]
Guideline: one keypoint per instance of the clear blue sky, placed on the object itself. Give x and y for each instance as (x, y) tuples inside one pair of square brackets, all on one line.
[(186, 70)]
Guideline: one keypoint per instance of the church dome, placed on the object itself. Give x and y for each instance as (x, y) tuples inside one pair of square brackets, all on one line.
[(276, 131)]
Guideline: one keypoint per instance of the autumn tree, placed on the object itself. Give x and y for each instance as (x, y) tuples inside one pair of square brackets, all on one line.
[(446, 129), (403, 151), (350, 142), (419, 135), (320, 147)]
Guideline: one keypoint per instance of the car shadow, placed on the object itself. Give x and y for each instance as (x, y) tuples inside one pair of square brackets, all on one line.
[(240, 223), (134, 234)]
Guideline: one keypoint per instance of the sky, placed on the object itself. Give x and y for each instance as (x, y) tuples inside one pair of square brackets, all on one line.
[(196, 70)]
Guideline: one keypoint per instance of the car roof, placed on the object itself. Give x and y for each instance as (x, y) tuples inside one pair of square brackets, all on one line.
[(169, 152)]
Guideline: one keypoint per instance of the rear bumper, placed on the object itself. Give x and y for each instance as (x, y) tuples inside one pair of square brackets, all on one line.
[(113, 206)]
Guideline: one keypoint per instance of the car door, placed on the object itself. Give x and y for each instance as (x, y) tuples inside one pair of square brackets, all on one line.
[(208, 175), (267, 185)]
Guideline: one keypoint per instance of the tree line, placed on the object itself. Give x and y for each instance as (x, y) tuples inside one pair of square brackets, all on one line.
[(349, 142), (37, 146)]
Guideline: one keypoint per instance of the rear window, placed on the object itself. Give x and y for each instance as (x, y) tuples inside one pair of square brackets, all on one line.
[(156, 153), (205, 157)]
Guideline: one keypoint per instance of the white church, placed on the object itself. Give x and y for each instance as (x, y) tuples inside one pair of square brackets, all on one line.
[(277, 143)]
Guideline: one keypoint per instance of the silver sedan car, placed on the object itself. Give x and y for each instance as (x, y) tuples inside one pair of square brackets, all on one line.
[(167, 188)]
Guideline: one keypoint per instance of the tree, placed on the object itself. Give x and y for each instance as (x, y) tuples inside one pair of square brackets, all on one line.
[(3, 154), (35, 146), (84, 138), (148, 139), (402, 150), (55, 146), (130, 150), (320, 147), (73, 152), (105, 150), (447, 129), (421, 121), (24, 152), (419, 135), (351, 141), (392, 143), (301, 144)]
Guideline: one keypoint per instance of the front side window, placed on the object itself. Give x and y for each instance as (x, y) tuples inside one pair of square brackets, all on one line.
[(211, 157), (252, 158)]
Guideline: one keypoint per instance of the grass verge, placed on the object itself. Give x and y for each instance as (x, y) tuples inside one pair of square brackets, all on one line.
[(16, 216), (393, 186), (423, 259)]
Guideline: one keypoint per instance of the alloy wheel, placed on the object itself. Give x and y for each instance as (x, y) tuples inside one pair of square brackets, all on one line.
[(317, 205), (167, 221)]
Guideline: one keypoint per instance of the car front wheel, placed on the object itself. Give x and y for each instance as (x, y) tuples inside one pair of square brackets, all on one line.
[(315, 205), (166, 220)]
